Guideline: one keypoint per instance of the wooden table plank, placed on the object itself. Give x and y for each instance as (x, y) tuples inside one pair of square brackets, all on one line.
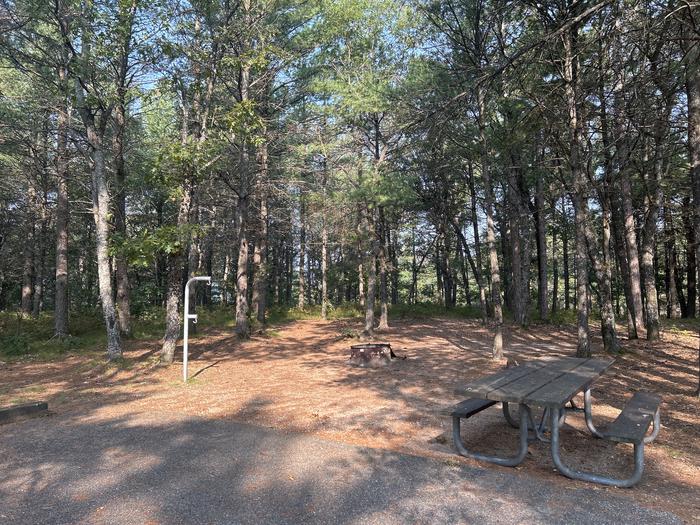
[(517, 390), (546, 382), (559, 391), (482, 386)]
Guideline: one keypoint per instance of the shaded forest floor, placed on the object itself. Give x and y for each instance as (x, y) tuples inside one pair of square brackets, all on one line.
[(296, 378)]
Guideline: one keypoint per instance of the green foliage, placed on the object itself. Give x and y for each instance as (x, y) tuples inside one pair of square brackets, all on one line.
[(141, 249)]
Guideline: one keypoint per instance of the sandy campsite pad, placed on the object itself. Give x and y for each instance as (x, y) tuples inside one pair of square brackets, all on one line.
[(298, 379)]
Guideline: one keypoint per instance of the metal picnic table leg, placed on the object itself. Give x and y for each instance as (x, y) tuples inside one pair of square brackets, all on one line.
[(587, 405), (506, 462), (588, 476), (538, 428)]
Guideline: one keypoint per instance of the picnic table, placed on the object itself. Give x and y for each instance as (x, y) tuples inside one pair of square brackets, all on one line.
[(550, 384)]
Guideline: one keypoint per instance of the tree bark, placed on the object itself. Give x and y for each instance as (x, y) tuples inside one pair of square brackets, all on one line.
[(628, 222), (541, 251), (478, 273), (302, 253), (40, 257), (127, 12), (242, 327), (497, 349), (383, 272), (324, 248), (671, 263), (371, 277), (62, 211), (580, 183), (28, 252), (260, 253), (101, 207), (176, 262), (565, 255)]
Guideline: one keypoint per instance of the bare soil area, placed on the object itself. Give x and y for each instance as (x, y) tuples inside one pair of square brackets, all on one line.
[(297, 378)]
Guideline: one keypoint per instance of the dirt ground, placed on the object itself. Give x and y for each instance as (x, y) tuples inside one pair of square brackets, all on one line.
[(297, 378)]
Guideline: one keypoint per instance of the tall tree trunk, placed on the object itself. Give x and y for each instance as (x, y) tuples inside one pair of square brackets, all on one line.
[(242, 327), (62, 212), (629, 228), (127, 12), (383, 272), (621, 254), (691, 31), (603, 271), (475, 269), (580, 184), (514, 217), (101, 208), (565, 255), (324, 248), (302, 253), (40, 258), (122, 269), (371, 277), (555, 272), (478, 273), (648, 250), (176, 261), (497, 349), (541, 251), (691, 238), (671, 263), (260, 253), (394, 262), (28, 252)]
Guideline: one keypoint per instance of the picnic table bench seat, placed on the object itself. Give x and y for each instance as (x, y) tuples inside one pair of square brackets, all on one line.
[(633, 422), (468, 408)]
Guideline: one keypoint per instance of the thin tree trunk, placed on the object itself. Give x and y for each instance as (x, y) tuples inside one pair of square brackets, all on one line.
[(324, 270), (28, 252), (324, 248), (371, 278), (40, 259), (260, 254), (242, 327), (175, 281), (497, 349), (580, 183), (630, 236), (541, 251), (672, 303), (302, 253), (648, 250), (475, 269), (478, 273), (692, 85), (62, 216), (383, 273), (101, 207), (621, 254), (122, 269), (127, 12), (555, 273), (565, 256)]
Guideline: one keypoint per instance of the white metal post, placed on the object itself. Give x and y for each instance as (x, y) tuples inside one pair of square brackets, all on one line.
[(187, 321)]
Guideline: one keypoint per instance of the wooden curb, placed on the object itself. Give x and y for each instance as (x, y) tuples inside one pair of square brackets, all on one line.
[(15, 413)]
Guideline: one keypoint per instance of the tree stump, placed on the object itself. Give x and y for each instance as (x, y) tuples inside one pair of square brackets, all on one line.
[(372, 354)]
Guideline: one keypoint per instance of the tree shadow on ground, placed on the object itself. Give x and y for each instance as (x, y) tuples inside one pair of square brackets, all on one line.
[(194, 470)]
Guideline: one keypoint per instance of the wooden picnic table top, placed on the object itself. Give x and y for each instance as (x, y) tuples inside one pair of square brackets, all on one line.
[(549, 382)]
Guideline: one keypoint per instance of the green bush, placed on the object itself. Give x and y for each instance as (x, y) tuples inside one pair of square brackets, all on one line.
[(14, 345)]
